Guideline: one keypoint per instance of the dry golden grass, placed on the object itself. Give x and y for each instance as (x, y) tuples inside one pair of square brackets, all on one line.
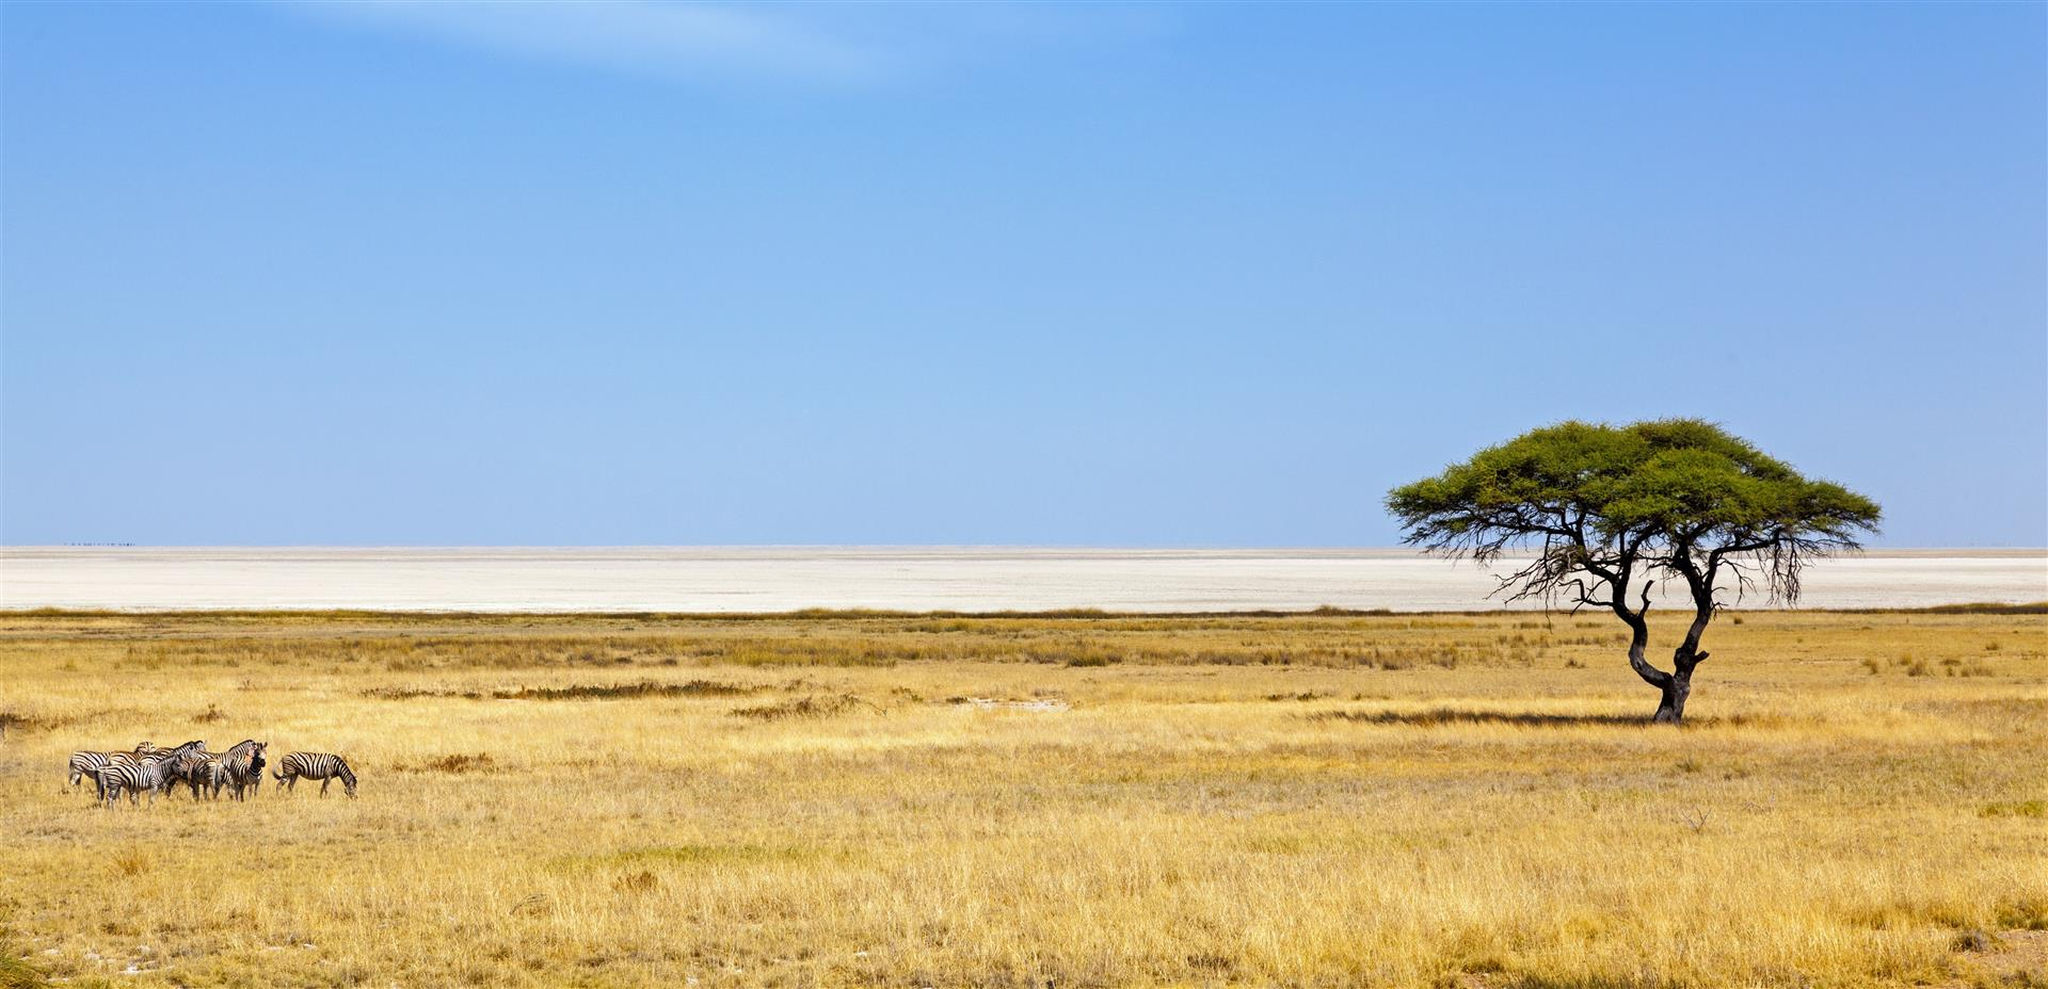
[(1330, 800)]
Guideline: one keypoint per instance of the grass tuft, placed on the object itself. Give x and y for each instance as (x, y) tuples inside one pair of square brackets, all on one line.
[(807, 706), (454, 765)]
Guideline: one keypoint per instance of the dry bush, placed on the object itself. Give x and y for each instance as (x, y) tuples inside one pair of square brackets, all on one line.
[(454, 765), (807, 706), (618, 691)]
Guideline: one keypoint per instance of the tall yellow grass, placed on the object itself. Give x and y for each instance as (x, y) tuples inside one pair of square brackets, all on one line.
[(1330, 800)]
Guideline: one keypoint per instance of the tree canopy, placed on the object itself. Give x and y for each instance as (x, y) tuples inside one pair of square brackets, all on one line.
[(1580, 492), (1612, 510)]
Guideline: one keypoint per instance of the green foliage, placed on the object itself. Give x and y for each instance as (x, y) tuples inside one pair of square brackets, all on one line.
[(1671, 476), (1603, 501)]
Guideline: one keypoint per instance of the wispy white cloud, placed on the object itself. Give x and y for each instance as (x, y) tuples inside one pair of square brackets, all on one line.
[(815, 43), (641, 36)]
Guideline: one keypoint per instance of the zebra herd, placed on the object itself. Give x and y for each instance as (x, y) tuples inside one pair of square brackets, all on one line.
[(239, 770)]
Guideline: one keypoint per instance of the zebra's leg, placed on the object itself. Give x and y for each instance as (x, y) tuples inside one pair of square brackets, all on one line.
[(323, 785)]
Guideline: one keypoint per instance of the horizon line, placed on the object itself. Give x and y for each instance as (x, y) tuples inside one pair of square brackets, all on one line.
[(966, 547)]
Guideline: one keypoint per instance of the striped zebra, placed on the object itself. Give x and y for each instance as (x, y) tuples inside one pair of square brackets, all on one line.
[(87, 765), (143, 750), (212, 773), (151, 774), (321, 766), (183, 765), (244, 765)]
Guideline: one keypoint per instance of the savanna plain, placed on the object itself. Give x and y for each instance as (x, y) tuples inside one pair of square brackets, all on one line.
[(1327, 799)]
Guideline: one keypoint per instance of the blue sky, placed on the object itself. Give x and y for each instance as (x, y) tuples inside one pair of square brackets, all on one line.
[(1209, 275)]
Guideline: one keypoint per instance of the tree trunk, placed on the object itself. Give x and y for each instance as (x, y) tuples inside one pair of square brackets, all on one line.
[(1674, 688), (1671, 710), (1677, 685)]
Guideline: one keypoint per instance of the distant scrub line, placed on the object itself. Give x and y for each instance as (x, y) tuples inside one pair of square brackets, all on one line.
[(807, 706), (1441, 716), (575, 692), (954, 640)]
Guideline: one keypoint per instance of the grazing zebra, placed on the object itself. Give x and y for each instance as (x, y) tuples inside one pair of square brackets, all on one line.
[(87, 765), (244, 765), (118, 777), (321, 766), (84, 764)]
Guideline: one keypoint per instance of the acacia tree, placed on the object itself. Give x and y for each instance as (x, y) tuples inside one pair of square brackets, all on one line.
[(1612, 511)]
